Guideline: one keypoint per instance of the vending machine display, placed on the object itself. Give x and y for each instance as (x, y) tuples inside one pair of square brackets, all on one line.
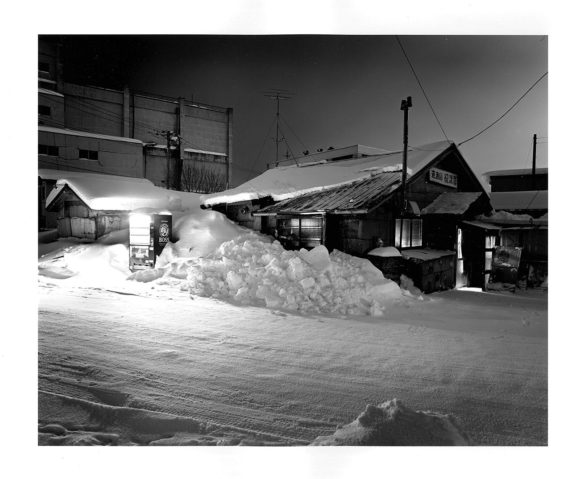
[(148, 235)]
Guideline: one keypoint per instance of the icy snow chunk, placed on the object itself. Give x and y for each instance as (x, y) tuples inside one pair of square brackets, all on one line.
[(147, 275), (234, 280), (386, 292), (307, 283), (409, 288), (295, 270), (317, 257)]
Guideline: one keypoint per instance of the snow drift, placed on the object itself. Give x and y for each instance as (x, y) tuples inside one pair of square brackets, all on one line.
[(393, 424)]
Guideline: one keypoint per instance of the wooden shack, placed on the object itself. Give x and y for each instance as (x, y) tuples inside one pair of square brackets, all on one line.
[(89, 206), (364, 207)]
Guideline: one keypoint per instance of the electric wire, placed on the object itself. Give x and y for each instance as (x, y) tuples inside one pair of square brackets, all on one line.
[(507, 111), (421, 86)]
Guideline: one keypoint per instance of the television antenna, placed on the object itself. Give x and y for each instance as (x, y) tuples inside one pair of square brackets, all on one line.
[(279, 94)]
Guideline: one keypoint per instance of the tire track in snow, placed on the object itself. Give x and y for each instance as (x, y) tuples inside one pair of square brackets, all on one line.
[(255, 371)]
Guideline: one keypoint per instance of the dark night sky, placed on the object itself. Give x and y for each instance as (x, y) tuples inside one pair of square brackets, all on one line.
[(347, 89)]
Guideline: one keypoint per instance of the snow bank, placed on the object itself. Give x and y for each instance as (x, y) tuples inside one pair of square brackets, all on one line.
[(393, 424), (250, 270), (96, 263)]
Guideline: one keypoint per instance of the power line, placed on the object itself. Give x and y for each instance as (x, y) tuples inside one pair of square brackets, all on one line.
[(507, 111), (421, 86)]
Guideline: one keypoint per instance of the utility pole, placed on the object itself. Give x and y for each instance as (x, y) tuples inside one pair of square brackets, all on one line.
[(168, 178), (534, 162), (405, 105)]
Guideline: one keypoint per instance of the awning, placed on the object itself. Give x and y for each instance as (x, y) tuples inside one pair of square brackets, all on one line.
[(456, 203)]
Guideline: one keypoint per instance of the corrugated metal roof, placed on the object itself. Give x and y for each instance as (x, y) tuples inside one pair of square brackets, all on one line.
[(452, 203), (364, 195)]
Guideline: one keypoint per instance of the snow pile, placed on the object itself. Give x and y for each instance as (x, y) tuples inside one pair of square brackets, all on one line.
[(393, 424), (201, 232), (249, 270)]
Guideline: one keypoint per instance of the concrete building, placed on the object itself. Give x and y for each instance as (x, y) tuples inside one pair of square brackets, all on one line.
[(520, 191), (176, 144)]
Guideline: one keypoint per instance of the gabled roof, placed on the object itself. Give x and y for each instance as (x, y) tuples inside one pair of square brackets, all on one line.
[(360, 196), (452, 203), (290, 181), (112, 193)]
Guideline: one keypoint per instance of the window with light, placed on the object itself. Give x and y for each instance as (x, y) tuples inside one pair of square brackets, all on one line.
[(300, 232), (412, 236)]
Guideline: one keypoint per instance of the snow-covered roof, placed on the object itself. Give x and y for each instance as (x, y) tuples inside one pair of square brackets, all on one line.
[(45, 91), (84, 134), (519, 200), (203, 152), (455, 203), (426, 254), (512, 172), (114, 193), (507, 218), (289, 181), (50, 174)]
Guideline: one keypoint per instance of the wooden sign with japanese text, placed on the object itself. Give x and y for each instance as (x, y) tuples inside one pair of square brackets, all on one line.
[(443, 177)]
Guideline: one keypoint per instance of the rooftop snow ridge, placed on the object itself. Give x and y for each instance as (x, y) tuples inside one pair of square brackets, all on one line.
[(284, 182)]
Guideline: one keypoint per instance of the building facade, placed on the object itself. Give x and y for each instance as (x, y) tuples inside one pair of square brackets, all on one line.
[(175, 143)]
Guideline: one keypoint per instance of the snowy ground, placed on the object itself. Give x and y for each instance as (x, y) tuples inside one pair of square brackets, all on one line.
[(136, 365), (233, 340)]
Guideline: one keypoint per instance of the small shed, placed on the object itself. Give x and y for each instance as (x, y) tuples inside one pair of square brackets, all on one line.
[(92, 205), (431, 270)]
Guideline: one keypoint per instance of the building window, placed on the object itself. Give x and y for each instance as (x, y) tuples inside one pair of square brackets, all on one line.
[(412, 234), (48, 150), (47, 84), (44, 110), (300, 232), (88, 155)]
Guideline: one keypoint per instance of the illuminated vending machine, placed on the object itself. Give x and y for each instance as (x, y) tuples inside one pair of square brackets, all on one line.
[(148, 235)]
